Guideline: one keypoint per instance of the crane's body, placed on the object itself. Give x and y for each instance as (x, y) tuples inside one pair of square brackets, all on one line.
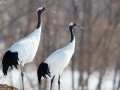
[(58, 60), (25, 49), (27, 46), (22, 51)]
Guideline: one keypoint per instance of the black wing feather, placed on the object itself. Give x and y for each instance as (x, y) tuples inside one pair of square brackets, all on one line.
[(43, 70), (9, 59)]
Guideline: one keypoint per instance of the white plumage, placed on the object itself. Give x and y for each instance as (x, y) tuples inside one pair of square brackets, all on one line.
[(27, 47), (58, 60)]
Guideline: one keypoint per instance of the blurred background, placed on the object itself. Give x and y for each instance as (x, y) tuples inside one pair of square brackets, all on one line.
[(96, 61)]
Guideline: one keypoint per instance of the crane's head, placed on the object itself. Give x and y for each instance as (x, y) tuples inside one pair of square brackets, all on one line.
[(73, 24), (43, 9)]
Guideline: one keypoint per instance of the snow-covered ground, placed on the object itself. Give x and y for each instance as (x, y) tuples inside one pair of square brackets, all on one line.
[(66, 81)]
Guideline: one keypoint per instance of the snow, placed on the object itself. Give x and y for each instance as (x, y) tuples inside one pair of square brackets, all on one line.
[(93, 81), (66, 81)]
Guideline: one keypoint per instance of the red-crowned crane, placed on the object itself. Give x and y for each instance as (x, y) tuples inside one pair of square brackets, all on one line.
[(58, 60), (25, 49)]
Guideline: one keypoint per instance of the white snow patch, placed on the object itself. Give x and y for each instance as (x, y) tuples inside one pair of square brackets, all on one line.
[(66, 81)]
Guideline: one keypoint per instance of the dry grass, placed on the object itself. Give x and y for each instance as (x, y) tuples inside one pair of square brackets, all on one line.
[(7, 87)]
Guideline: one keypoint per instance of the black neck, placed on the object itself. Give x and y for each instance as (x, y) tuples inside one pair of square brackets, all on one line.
[(71, 33), (39, 20)]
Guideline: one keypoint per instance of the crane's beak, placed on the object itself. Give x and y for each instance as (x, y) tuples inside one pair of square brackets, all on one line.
[(80, 27), (47, 10)]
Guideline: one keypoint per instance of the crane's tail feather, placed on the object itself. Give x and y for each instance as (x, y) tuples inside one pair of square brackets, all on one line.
[(42, 71), (9, 59)]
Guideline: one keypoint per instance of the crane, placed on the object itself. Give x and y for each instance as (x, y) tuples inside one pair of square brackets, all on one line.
[(58, 60), (24, 50)]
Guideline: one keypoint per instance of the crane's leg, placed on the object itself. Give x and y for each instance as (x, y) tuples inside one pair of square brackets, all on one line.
[(59, 83), (51, 82), (22, 77)]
